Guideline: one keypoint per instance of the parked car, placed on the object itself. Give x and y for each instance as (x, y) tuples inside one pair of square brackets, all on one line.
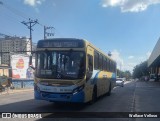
[(120, 82), (152, 77)]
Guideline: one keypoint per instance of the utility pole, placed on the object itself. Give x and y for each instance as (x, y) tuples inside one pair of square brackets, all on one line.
[(30, 24), (46, 33)]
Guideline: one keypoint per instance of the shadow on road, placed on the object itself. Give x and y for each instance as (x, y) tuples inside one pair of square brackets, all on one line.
[(117, 99), (40, 106), (44, 106)]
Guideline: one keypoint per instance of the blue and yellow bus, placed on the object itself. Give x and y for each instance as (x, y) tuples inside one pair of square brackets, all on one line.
[(72, 70)]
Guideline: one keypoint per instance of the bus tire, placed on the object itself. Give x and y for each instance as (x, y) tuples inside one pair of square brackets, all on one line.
[(109, 91)]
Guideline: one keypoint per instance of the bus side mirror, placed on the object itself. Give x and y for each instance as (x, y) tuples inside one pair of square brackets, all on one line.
[(30, 60), (32, 67)]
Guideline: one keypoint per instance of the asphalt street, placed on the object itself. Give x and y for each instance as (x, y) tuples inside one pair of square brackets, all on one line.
[(135, 96)]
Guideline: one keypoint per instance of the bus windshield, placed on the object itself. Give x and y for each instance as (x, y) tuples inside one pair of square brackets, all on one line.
[(60, 64)]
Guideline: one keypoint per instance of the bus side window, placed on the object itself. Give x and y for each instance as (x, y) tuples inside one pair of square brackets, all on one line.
[(90, 67), (96, 64), (90, 63)]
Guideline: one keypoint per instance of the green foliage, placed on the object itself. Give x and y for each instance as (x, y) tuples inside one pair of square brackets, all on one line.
[(140, 70), (124, 74)]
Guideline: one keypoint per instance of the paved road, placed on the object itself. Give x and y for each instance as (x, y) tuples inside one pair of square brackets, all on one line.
[(133, 97)]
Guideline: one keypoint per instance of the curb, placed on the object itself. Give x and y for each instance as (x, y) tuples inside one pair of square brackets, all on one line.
[(15, 91)]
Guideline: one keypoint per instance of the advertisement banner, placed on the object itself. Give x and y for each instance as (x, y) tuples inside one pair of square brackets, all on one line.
[(20, 67)]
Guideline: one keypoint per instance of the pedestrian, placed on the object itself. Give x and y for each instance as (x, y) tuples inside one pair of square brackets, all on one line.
[(145, 78), (1, 88), (8, 85)]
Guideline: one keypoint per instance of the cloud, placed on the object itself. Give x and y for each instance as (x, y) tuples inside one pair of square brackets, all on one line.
[(130, 5), (129, 66), (131, 57), (116, 56), (33, 2), (123, 64)]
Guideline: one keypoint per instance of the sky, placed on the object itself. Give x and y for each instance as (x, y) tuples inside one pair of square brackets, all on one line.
[(129, 29)]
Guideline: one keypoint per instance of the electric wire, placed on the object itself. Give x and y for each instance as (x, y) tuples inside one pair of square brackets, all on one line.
[(20, 14)]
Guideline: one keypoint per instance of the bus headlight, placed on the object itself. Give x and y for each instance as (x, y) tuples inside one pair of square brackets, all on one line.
[(78, 89)]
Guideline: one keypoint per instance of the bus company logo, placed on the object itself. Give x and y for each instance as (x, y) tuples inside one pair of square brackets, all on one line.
[(6, 115), (58, 76)]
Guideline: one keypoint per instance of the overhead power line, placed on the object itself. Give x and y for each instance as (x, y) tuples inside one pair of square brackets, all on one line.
[(24, 16), (15, 11)]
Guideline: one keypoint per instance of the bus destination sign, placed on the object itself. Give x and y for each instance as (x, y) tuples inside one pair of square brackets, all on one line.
[(60, 44)]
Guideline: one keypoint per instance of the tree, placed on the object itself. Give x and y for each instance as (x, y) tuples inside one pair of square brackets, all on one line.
[(124, 74), (141, 70), (127, 75)]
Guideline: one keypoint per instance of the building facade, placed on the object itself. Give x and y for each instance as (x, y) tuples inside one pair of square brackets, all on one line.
[(154, 60), (12, 45)]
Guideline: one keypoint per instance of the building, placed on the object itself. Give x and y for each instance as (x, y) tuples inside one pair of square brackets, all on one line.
[(4, 70), (12, 45), (154, 60)]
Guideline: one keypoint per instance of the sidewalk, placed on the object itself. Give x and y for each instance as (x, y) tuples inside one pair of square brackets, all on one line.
[(12, 91), (149, 83), (147, 96)]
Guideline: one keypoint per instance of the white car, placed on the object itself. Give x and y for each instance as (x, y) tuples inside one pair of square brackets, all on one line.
[(120, 82)]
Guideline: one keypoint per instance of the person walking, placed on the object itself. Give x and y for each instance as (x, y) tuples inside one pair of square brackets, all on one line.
[(8, 85)]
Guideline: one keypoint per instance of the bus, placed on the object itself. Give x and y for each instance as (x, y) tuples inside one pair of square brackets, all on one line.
[(72, 70)]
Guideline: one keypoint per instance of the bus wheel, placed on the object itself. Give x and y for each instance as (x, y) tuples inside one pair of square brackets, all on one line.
[(109, 92)]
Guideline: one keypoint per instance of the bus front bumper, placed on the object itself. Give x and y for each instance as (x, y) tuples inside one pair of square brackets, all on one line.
[(60, 97)]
